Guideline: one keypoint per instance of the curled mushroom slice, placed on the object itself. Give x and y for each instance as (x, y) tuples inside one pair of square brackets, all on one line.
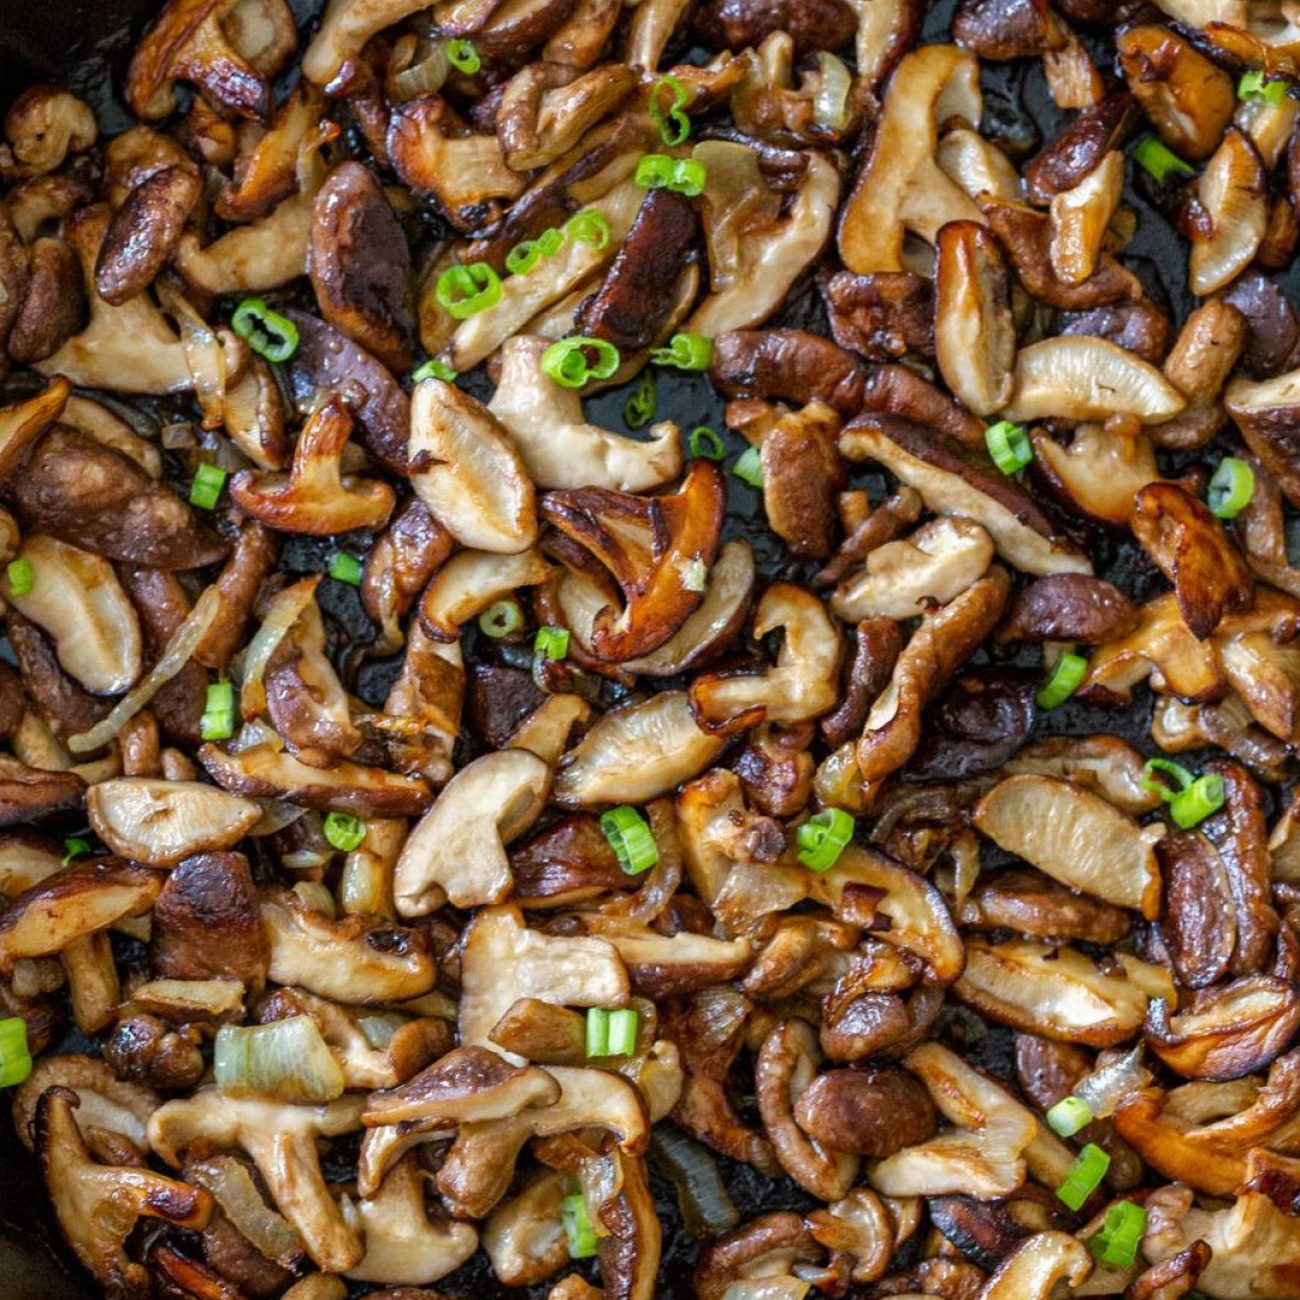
[(281, 1139), (53, 307), (1057, 992), (1199, 365), (1264, 411), (43, 125), (558, 447), (466, 470), (81, 605), (361, 960), (974, 333), (636, 753), (457, 851), (1230, 215), (1100, 472), (803, 474), (1193, 551), (800, 687), (345, 28), (1078, 378), (1081, 217), (471, 581), (160, 822), (792, 364), (545, 110), (1044, 1262), (930, 567), (144, 231), (650, 545), (98, 1205), (1075, 837), (951, 483), (315, 497), (1069, 607), (900, 187)]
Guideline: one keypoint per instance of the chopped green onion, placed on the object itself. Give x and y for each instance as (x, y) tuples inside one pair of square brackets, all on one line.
[(550, 241), (823, 837), (566, 363), (1252, 86), (269, 334), (551, 642), (622, 1032), (656, 171), (464, 291), (1062, 682), (206, 486), (639, 409), (1160, 161), (22, 577), (1009, 446), (1204, 796), (690, 176), (434, 369), (706, 443), (523, 257), (317, 897), (686, 352), (285, 1059), (462, 56), (674, 126), (590, 227), (346, 568), (344, 831), (74, 847), (1068, 1116), (1231, 488), (1084, 1176), (1120, 1236), (629, 836), (578, 1231), (218, 720), (597, 1032), (1179, 778), (748, 467), (15, 1055), (501, 619)]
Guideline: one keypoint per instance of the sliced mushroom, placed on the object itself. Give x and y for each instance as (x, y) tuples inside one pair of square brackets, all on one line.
[(1075, 837), (1069, 607), (457, 851), (524, 1235), (1100, 472), (1088, 379), (953, 484), (1230, 217), (43, 125), (53, 306), (803, 474), (108, 1106), (1081, 217), (343, 32), (471, 581), (1044, 1262), (558, 448), (1264, 412), (545, 111), (465, 469), (160, 822)]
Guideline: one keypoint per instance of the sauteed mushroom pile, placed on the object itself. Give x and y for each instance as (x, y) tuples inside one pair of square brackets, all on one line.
[(616, 870)]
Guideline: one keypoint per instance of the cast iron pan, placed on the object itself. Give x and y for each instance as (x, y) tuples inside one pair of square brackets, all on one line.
[(84, 44)]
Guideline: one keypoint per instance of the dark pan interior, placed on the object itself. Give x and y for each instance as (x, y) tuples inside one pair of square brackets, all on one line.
[(84, 44)]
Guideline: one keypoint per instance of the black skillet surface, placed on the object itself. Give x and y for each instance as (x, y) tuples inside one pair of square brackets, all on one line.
[(84, 44)]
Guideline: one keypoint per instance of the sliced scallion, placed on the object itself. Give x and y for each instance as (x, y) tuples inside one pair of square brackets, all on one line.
[(1062, 681), (346, 568), (823, 837), (630, 837), (1084, 1176), (22, 577), (748, 467), (1009, 446), (1068, 1116), (344, 831), (206, 486), (15, 1055), (1231, 488), (501, 619), (578, 1232), (706, 443), (551, 642)]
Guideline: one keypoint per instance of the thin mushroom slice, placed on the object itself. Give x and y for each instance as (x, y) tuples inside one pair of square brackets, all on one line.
[(464, 467), (1081, 217), (1075, 837), (160, 822), (470, 582), (1231, 215), (1046, 1261), (457, 852)]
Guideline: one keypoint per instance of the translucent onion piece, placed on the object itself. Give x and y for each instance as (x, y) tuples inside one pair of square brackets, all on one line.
[(419, 66), (287, 1060), (281, 614), (831, 102), (1112, 1081), (179, 649), (203, 355), (707, 1209), (233, 1188)]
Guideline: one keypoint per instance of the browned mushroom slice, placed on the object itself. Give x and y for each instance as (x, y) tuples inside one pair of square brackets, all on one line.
[(315, 497), (1007, 29), (1100, 472), (1228, 1031), (43, 125), (189, 42), (1265, 411), (1069, 607), (53, 308), (109, 1106), (1139, 327), (22, 423), (731, 25), (439, 158), (1081, 219), (207, 923), (1078, 378), (1040, 1265), (630, 307), (791, 364), (85, 493), (266, 168), (546, 110), (1230, 215), (769, 1247), (65, 707), (953, 483), (1075, 837), (160, 822), (98, 1205), (651, 546), (27, 792), (471, 581), (872, 1112), (281, 1139), (1188, 99), (72, 903), (457, 851), (144, 232), (635, 753), (900, 187), (803, 474), (1093, 133), (344, 30), (1193, 551), (264, 770), (403, 559), (974, 334), (1199, 365), (360, 264), (884, 316), (327, 361), (465, 468)]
